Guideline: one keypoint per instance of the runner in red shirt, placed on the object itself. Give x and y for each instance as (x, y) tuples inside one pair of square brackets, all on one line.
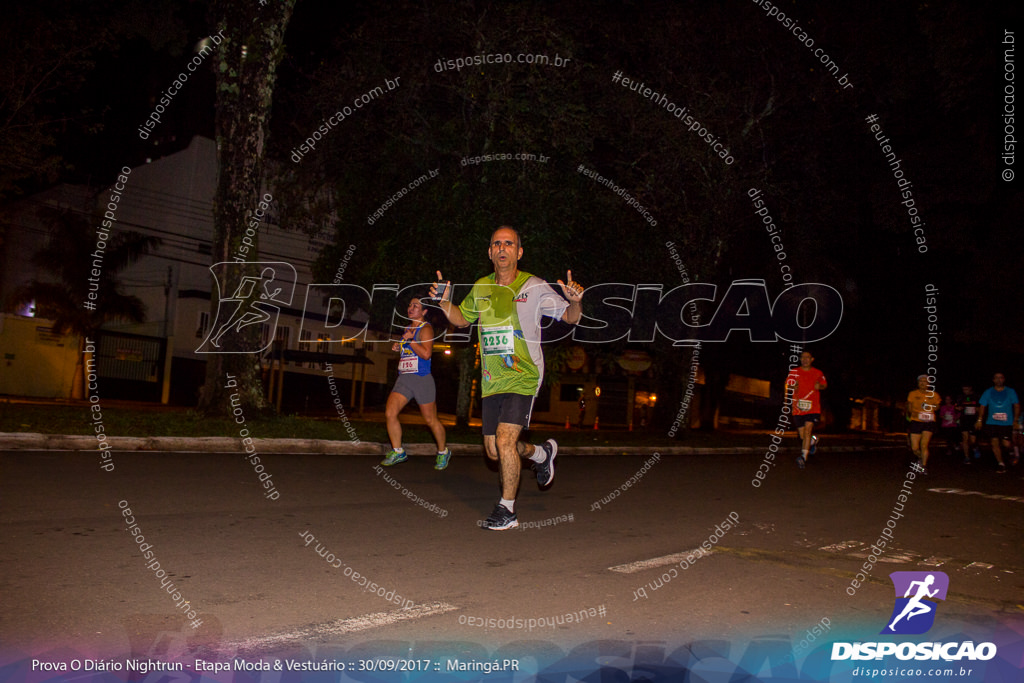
[(803, 388)]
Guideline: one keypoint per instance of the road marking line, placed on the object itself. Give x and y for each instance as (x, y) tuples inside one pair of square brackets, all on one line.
[(640, 565), (863, 551), (896, 557), (839, 547), (992, 496), (344, 626)]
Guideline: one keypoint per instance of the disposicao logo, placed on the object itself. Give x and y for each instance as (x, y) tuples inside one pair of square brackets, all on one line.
[(914, 612)]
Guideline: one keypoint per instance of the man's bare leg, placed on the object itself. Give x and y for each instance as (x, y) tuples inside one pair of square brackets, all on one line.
[(998, 451), (506, 449), (926, 438), (507, 442), (808, 435)]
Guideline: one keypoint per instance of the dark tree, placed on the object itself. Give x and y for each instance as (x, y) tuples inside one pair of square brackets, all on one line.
[(246, 73)]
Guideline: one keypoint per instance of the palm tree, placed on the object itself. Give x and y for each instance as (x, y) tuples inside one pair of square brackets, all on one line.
[(67, 262)]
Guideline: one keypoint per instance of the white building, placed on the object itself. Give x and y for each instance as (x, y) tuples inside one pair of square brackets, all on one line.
[(172, 198)]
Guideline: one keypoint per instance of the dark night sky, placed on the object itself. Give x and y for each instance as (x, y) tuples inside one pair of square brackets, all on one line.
[(933, 75)]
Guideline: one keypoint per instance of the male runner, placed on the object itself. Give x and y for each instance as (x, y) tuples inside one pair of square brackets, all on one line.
[(967, 404), (508, 305), (997, 405), (922, 404), (804, 384)]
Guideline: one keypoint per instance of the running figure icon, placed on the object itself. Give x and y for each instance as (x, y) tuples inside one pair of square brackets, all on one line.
[(255, 300), (917, 597), (916, 606), (248, 310)]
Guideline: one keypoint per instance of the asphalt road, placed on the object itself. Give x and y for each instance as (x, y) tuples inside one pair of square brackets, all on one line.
[(277, 576)]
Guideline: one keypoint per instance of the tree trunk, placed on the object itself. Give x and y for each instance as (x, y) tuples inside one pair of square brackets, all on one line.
[(467, 372), (715, 381), (246, 67), (78, 379)]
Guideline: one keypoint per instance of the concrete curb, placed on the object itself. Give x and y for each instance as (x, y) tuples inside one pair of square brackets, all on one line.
[(224, 444)]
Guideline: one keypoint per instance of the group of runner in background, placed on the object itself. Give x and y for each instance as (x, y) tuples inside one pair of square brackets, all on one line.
[(965, 421)]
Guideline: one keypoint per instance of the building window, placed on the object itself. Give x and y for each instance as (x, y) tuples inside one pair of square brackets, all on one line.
[(203, 324), (305, 344), (322, 343)]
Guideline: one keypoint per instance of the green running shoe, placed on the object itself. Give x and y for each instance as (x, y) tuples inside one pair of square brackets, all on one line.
[(393, 458), (442, 459)]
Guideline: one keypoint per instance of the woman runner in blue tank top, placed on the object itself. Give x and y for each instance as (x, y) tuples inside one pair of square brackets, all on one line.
[(414, 382)]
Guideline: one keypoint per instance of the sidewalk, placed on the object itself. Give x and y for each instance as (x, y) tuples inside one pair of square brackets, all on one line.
[(224, 444), (461, 444)]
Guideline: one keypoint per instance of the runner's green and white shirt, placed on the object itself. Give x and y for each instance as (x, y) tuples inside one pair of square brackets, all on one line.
[(509, 323)]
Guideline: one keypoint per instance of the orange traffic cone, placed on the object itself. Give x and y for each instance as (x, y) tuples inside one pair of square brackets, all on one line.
[(567, 422), (597, 422)]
